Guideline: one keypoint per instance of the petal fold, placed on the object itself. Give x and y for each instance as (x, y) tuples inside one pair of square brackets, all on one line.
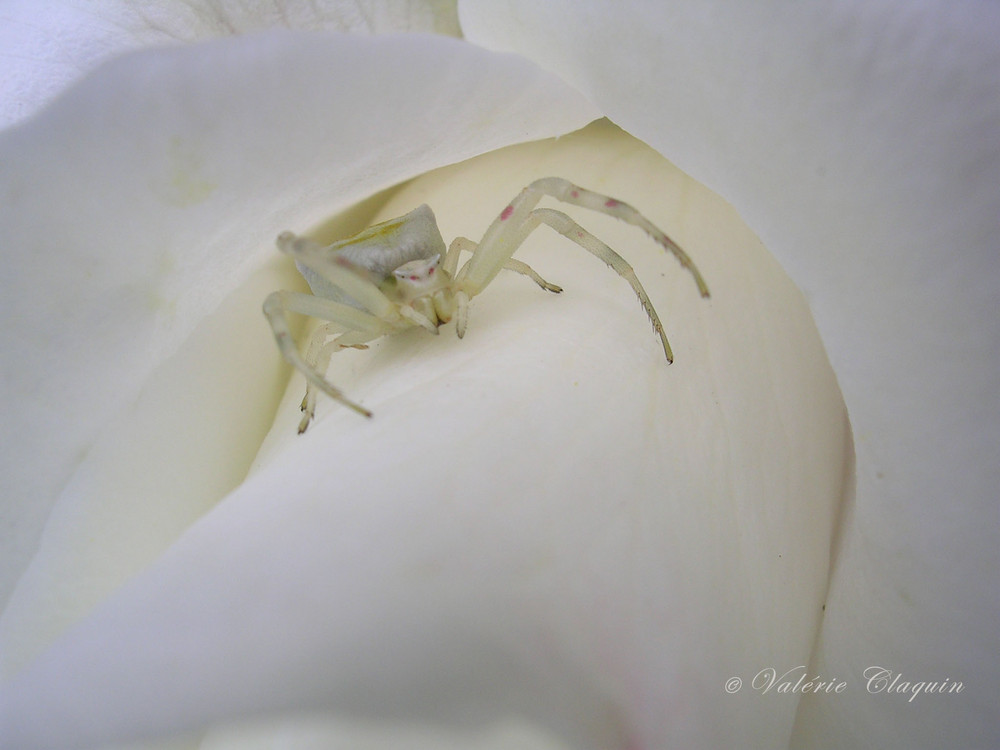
[(49, 44)]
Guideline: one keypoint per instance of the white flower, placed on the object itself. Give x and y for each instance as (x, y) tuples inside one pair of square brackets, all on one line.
[(486, 545)]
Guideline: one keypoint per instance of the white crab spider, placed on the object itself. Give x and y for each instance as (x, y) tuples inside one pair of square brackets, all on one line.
[(397, 275)]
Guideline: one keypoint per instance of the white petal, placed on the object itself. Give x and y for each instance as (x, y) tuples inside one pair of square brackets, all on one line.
[(48, 44), (141, 200), (541, 519), (862, 141)]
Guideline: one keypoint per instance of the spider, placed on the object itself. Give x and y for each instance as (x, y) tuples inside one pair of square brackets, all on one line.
[(397, 275)]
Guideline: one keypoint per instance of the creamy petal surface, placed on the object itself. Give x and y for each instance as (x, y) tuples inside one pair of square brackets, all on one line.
[(862, 142), (542, 519)]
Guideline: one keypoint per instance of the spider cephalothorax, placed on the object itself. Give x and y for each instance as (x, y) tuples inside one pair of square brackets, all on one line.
[(391, 277)]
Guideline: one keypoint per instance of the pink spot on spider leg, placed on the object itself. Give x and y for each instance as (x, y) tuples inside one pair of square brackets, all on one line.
[(505, 214), (611, 203), (575, 193)]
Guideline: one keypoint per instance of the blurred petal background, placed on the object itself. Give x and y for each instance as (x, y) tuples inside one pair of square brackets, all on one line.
[(858, 141)]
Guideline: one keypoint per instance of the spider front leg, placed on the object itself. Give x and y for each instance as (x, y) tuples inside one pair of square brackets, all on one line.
[(499, 246), (460, 244), (567, 192), (505, 232), (464, 244), (359, 326)]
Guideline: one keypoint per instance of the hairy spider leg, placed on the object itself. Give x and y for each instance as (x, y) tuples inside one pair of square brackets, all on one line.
[(563, 224), (500, 241), (567, 192), (278, 304), (573, 231), (462, 295), (525, 270), (481, 269), (464, 244)]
